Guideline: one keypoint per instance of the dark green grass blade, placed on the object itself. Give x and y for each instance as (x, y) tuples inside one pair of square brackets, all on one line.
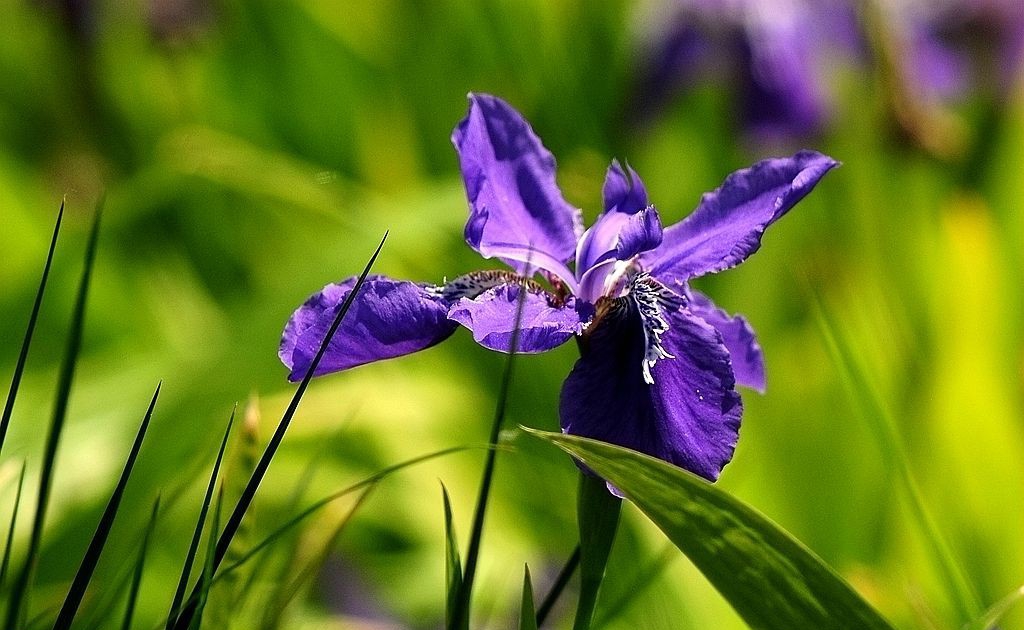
[(133, 592), (286, 527), (19, 368), (289, 589), (452, 562), (527, 615), (197, 535), (92, 555), (771, 579), (20, 589), (460, 615), (242, 506), (206, 579), (10, 532), (559, 586)]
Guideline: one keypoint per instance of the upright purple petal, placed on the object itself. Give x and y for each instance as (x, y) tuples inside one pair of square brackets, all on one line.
[(627, 227), (689, 416), (388, 318), (737, 335), (517, 212), (727, 226), (492, 317)]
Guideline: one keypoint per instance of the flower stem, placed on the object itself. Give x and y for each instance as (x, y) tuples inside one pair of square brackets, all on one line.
[(597, 512)]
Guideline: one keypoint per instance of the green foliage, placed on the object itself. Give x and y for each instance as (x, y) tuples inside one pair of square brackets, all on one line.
[(771, 579)]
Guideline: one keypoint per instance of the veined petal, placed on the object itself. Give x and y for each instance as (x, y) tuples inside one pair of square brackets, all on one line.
[(689, 416), (737, 335), (517, 212), (727, 226), (388, 318), (491, 317)]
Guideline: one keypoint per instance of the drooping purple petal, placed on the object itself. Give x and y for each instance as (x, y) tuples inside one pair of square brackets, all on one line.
[(727, 226), (737, 335), (689, 416), (623, 191), (388, 318), (491, 317), (517, 212)]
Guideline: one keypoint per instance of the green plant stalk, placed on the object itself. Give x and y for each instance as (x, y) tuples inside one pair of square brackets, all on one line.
[(18, 601), (527, 614), (559, 585), (140, 567), (460, 615), (597, 513), (19, 368)]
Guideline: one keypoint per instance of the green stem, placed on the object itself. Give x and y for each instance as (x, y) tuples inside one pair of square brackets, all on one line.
[(597, 511)]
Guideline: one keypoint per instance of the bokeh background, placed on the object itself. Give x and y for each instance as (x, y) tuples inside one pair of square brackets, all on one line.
[(251, 152)]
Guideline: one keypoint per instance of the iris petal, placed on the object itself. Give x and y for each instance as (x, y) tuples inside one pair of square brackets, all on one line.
[(492, 317), (388, 318), (737, 335), (517, 212), (689, 416), (727, 226)]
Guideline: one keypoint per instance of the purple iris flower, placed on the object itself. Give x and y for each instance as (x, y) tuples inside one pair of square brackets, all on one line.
[(659, 361)]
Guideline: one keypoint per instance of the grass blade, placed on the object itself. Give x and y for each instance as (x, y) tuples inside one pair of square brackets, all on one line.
[(891, 445), (20, 589), (92, 555), (10, 531), (460, 615), (242, 506), (19, 368), (133, 592), (452, 562), (206, 580), (527, 615), (997, 611), (289, 589), (197, 535), (559, 586)]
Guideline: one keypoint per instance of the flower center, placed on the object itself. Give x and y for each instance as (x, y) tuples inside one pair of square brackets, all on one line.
[(472, 284)]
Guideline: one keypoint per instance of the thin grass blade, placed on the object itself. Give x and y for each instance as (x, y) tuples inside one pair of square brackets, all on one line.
[(206, 579), (10, 531), (289, 589), (527, 614), (558, 587), (459, 619), (92, 555), (891, 444), (20, 589), (19, 368), (197, 535), (242, 506), (133, 592), (452, 562), (992, 616)]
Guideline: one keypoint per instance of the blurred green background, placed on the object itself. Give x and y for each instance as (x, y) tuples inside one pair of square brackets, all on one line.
[(251, 152)]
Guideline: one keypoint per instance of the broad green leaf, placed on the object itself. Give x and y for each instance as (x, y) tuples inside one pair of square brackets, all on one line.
[(771, 579), (527, 615)]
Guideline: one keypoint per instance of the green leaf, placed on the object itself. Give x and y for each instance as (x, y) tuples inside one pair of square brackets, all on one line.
[(452, 562), (23, 581), (997, 611), (19, 368), (771, 579), (10, 532), (197, 534), (249, 493), (99, 539), (140, 565), (527, 615)]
